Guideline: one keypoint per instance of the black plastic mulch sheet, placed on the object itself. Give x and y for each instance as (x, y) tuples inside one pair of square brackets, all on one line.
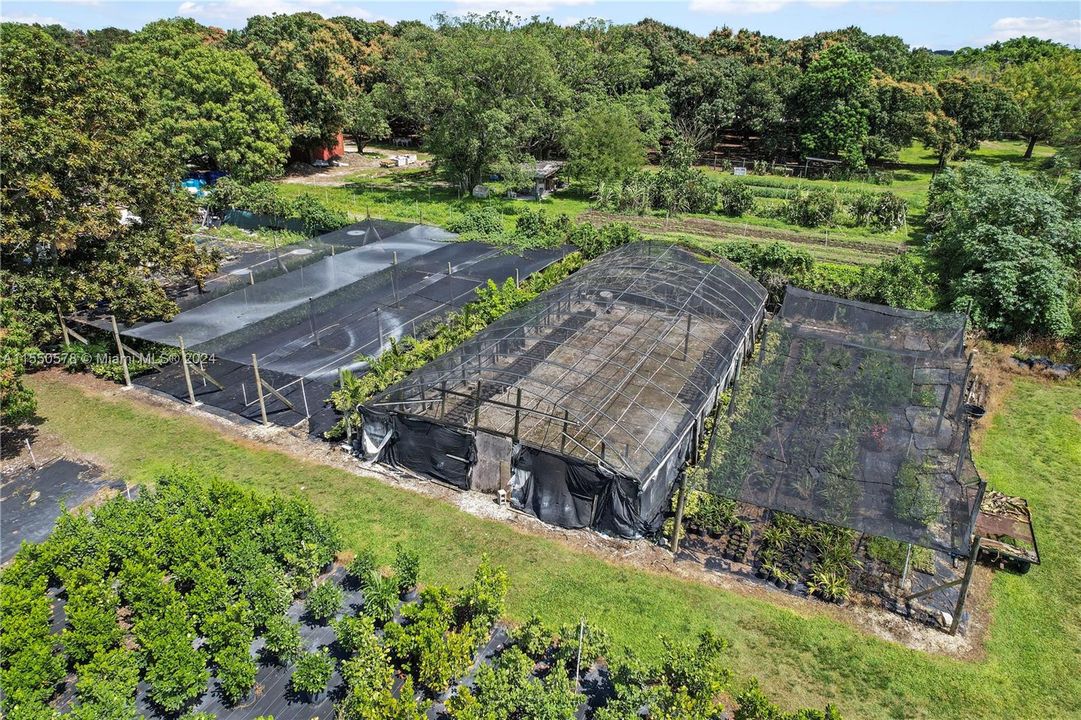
[(30, 501), (435, 450)]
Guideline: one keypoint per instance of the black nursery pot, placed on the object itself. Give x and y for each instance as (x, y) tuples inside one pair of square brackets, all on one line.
[(693, 529), (408, 595), (715, 534)]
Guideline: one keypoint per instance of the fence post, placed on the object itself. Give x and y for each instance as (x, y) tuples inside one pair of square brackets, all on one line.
[(348, 413), (187, 372), (63, 327), (120, 350), (259, 388)]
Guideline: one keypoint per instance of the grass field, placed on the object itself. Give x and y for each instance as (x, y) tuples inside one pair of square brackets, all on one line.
[(1030, 669), (418, 195)]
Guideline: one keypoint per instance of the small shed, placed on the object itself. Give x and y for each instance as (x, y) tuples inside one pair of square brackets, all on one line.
[(545, 176)]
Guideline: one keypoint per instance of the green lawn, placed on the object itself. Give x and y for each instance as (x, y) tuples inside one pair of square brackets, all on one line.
[(418, 195), (805, 658)]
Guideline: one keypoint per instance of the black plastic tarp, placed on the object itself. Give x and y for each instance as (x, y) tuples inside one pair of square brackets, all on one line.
[(571, 493), (441, 452)]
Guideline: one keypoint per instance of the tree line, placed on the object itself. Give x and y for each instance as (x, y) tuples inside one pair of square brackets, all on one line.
[(99, 128), (484, 92)]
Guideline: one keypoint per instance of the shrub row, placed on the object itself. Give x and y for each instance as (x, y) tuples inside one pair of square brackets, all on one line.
[(190, 558), (264, 199)]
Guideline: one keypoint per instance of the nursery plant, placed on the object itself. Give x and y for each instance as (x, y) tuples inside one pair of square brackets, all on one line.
[(381, 599), (363, 568), (312, 672), (282, 638), (406, 569), (236, 672), (324, 601)]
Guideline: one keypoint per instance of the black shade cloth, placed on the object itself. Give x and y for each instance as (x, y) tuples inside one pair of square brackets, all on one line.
[(444, 453)]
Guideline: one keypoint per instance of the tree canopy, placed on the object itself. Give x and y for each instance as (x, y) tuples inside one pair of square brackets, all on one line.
[(1008, 249), (309, 61), (89, 216), (203, 103)]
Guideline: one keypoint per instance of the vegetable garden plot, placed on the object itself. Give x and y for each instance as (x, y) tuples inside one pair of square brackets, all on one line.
[(855, 416)]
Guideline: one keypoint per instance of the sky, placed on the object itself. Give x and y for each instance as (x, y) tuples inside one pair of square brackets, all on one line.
[(937, 24)]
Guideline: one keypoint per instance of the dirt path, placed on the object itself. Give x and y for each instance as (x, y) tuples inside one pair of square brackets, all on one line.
[(637, 554), (301, 173), (730, 231)]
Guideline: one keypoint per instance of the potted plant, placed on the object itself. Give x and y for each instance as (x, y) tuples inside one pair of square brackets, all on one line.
[(282, 639), (312, 673), (362, 569), (381, 599), (324, 601), (407, 571)]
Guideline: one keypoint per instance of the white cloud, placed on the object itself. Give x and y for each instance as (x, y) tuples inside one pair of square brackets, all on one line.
[(1060, 30), (522, 8), (236, 12), (35, 19), (753, 7)]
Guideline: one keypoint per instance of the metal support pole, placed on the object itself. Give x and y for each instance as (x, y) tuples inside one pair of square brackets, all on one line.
[(348, 413), (251, 277), (442, 399), (963, 594), (311, 321), (259, 388), (476, 407), (187, 372), (677, 531), (563, 440), (517, 412), (304, 397), (120, 350), (395, 257), (379, 319), (687, 338), (449, 270), (942, 409)]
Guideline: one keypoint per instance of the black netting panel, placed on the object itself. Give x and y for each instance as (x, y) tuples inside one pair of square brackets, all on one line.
[(854, 415)]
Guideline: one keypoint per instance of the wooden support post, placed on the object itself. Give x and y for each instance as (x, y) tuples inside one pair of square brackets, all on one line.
[(63, 327), (963, 594), (677, 529), (517, 412), (348, 413), (259, 388), (120, 350), (187, 372)]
